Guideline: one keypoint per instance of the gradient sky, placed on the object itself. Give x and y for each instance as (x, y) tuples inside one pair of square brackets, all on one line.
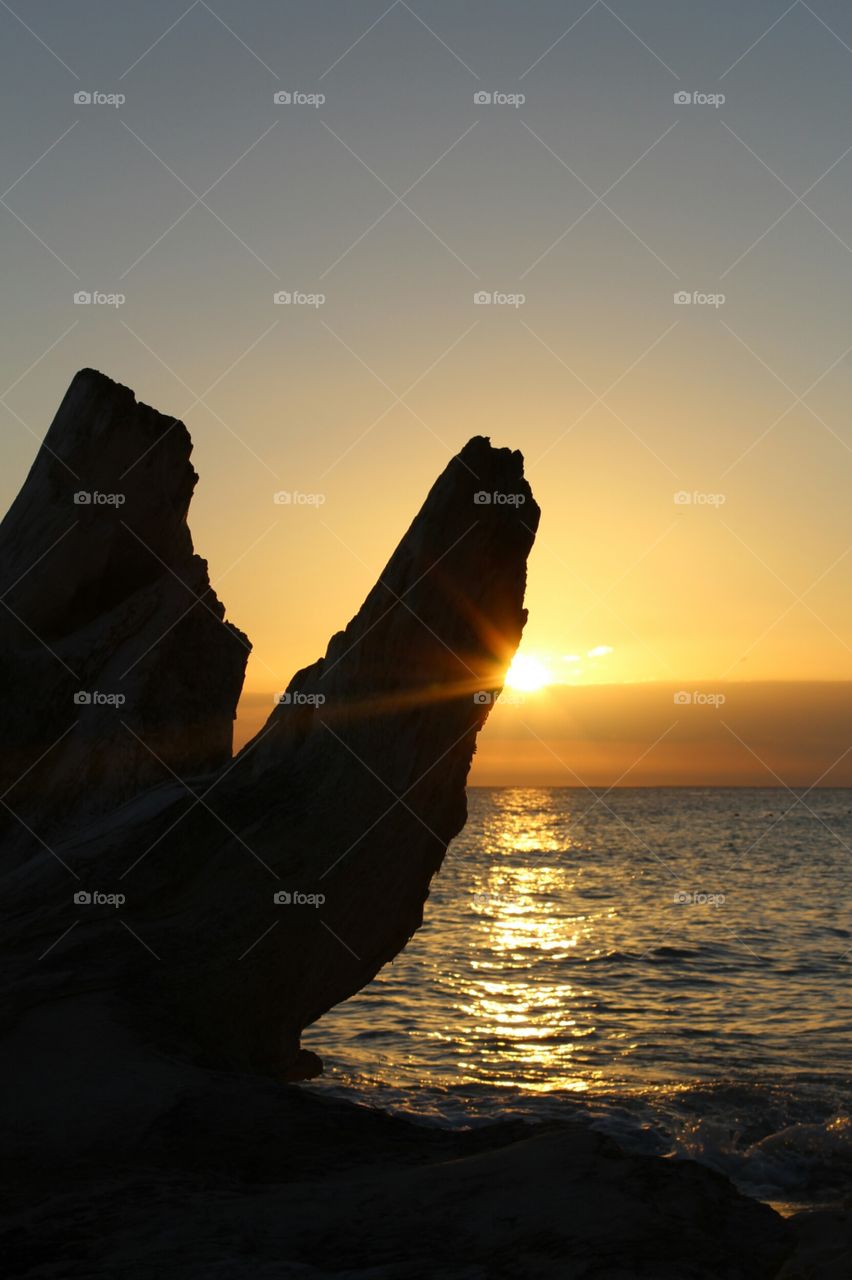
[(599, 198)]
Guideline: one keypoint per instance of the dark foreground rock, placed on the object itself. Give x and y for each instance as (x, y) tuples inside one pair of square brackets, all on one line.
[(255, 892), (173, 918), (241, 1180), (823, 1245)]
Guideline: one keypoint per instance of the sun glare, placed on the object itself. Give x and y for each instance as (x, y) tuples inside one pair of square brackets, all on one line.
[(527, 674)]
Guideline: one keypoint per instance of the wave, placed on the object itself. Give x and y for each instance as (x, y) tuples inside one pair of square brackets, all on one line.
[(803, 1158)]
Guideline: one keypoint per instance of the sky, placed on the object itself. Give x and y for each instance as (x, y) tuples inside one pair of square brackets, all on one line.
[(585, 166)]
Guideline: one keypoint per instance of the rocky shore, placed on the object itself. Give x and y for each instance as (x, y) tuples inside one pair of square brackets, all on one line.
[(158, 966), (244, 1179)]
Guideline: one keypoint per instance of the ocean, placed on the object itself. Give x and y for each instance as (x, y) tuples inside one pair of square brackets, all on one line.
[(670, 965)]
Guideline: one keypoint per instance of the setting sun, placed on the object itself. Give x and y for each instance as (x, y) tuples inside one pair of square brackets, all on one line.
[(527, 674)]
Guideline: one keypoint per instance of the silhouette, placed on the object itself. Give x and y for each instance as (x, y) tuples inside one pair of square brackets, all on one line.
[(175, 917)]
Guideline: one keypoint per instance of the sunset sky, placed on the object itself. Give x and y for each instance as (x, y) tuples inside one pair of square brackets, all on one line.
[(587, 208)]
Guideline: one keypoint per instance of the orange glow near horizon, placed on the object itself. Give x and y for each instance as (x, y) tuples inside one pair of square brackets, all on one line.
[(691, 462)]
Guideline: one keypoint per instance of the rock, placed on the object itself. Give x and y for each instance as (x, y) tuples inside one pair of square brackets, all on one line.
[(246, 1180), (364, 766), (105, 600), (178, 927), (823, 1245), (173, 918)]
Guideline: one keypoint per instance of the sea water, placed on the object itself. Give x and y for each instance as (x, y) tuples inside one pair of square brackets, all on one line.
[(671, 965)]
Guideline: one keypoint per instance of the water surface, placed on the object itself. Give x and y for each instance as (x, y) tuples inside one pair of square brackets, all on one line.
[(672, 964)]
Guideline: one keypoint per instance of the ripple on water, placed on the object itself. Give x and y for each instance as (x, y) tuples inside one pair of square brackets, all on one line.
[(623, 960)]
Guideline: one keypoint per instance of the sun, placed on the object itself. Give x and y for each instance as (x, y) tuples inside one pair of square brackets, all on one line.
[(527, 674)]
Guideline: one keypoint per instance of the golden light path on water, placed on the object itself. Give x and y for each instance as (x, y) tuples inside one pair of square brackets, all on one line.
[(631, 961), (531, 1020), (627, 956)]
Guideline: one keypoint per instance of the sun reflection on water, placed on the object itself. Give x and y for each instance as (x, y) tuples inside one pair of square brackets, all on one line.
[(559, 974), (518, 1028)]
